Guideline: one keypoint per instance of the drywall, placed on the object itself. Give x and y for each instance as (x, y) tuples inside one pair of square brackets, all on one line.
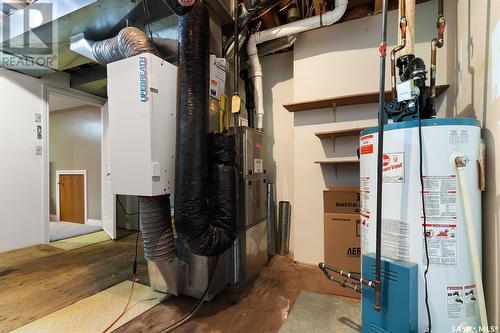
[(21, 177), (75, 144), (478, 95), (340, 60), (278, 123)]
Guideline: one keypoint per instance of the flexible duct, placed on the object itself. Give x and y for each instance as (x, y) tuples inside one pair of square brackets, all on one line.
[(207, 227), (156, 227), (129, 42), (289, 29)]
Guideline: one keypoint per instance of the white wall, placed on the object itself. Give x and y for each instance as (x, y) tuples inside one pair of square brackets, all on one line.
[(21, 177), (278, 90), (334, 61)]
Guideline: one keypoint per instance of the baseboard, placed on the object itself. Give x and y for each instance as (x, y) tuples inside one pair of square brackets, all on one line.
[(97, 223)]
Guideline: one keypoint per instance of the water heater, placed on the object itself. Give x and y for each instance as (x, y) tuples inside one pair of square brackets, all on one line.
[(451, 287)]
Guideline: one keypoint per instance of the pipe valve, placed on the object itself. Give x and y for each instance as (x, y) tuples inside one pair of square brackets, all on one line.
[(461, 161)]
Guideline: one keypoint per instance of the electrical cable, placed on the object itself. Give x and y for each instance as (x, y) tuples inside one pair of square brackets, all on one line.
[(134, 273), (197, 306), (123, 208), (424, 218)]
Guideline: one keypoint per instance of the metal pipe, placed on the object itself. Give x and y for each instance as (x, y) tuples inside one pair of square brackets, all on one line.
[(402, 26), (289, 29), (343, 283), (352, 276), (436, 43), (380, 153), (236, 60)]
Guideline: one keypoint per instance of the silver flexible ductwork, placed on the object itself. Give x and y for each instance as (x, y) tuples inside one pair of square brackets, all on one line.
[(166, 272), (129, 42)]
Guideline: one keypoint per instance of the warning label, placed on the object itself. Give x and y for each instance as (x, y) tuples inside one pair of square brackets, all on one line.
[(441, 244), (458, 137), (440, 197), (365, 242), (366, 144), (393, 168), (461, 301), (395, 237), (364, 190)]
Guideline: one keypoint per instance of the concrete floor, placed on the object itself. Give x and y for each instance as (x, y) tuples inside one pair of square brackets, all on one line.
[(39, 280)]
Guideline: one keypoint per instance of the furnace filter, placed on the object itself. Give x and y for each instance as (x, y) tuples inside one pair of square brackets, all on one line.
[(452, 293)]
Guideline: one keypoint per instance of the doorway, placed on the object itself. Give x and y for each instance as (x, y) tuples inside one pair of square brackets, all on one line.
[(74, 141)]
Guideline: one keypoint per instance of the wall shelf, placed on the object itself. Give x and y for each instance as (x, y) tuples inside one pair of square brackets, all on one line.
[(346, 100), (339, 160), (347, 131)]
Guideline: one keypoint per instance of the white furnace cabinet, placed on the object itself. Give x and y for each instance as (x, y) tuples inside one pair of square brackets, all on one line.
[(142, 111)]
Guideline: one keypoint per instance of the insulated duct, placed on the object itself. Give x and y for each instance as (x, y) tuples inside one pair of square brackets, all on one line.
[(129, 42), (207, 227), (166, 272)]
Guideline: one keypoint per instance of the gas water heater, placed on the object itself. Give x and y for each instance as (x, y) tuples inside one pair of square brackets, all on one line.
[(451, 289)]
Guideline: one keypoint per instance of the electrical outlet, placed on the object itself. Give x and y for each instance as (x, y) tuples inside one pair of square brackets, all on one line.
[(38, 150), (38, 117)]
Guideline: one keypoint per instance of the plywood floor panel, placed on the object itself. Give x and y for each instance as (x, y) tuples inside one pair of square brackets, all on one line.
[(95, 313)]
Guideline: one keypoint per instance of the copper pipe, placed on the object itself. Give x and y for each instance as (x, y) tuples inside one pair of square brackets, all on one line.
[(436, 43), (402, 28)]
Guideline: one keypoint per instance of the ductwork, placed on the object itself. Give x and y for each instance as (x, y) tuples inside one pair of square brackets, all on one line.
[(207, 227), (289, 29), (129, 42)]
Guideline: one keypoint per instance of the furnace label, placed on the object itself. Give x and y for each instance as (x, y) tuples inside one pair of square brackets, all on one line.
[(461, 301), (441, 244), (395, 237), (258, 166), (394, 168), (440, 197)]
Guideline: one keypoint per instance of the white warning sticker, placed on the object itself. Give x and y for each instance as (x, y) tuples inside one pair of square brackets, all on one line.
[(440, 197), (365, 225), (461, 301), (441, 244), (394, 168), (395, 237), (258, 166), (364, 189)]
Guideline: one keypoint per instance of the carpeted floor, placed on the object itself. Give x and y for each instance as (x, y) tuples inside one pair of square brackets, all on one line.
[(63, 230)]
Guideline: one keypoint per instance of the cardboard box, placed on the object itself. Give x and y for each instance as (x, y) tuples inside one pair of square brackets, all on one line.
[(342, 247), (341, 199)]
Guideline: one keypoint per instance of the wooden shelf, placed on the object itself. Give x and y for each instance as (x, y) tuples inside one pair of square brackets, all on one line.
[(348, 131), (346, 100), (339, 160)]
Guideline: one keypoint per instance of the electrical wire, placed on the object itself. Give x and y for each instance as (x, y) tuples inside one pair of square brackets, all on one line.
[(123, 207), (424, 218), (134, 273), (197, 306)]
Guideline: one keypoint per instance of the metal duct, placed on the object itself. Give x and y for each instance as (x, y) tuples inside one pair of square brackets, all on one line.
[(167, 272), (207, 227), (129, 42)]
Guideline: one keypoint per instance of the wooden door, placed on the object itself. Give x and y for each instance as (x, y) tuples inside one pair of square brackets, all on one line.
[(71, 198)]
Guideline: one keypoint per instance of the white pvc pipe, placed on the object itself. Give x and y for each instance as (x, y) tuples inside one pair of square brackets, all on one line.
[(473, 246), (289, 29)]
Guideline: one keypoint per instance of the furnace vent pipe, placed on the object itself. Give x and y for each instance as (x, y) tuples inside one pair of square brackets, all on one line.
[(205, 213), (285, 30)]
